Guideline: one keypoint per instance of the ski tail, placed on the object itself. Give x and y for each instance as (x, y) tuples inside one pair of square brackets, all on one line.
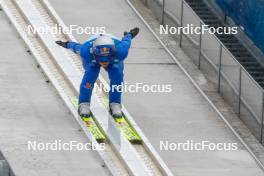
[(94, 128), (127, 130)]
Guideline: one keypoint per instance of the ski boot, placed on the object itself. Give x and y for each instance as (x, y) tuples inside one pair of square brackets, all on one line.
[(115, 110), (84, 110)]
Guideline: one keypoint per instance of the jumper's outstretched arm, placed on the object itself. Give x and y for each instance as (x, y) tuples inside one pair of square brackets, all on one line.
[(75, 47)]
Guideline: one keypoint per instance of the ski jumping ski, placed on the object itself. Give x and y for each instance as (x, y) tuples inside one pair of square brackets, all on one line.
[(91, 125)]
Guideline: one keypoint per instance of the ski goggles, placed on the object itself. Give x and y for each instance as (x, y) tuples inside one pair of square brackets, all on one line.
[(104, 51)]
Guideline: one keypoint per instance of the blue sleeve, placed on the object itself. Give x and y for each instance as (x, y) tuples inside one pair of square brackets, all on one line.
[(75, 47), (82, 49), (122, 47), (85, 52)]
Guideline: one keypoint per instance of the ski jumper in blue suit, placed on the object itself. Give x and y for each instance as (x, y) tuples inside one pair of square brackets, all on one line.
[(92, 67)]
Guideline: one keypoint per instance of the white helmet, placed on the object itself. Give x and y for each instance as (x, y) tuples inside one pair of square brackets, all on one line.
[(103, 40)]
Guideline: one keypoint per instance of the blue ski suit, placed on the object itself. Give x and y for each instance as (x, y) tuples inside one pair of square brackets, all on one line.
[(92, 67)]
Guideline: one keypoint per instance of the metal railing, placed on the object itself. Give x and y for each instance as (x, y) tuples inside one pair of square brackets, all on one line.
[(236, 85)]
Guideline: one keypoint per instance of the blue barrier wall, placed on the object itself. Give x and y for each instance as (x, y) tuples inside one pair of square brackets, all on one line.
[(249, 14)]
